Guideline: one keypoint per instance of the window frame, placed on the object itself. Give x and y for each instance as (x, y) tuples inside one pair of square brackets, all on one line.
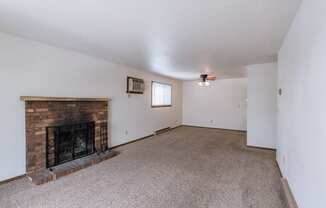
[(160, 106)]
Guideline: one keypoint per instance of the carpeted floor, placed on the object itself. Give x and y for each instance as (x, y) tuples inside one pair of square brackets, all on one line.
[(184, 168)]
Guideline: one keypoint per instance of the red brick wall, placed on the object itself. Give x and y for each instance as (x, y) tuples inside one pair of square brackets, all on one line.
[(41, 114)]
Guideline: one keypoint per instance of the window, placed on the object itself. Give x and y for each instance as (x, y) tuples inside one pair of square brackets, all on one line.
[(161, 94)]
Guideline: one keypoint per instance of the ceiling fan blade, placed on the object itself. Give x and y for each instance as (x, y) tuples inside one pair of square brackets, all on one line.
[(211, 77)]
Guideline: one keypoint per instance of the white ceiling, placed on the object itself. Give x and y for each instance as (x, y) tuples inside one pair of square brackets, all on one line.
[(177, 38)]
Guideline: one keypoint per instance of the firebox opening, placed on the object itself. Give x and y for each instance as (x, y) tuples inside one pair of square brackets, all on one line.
[(69, 142)]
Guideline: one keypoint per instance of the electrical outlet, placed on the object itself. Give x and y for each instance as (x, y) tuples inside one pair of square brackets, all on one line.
[(126, 132), (212, 121), (283, 160)]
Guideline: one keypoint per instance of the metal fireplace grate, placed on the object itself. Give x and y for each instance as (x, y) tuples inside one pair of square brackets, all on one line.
[(104, 137), (69, 142)]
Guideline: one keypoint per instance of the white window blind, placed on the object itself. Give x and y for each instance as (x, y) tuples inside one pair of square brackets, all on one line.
[(161, 94)]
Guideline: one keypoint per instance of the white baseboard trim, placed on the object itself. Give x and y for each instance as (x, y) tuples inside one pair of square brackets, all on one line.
[(290, 200), (207, 127)]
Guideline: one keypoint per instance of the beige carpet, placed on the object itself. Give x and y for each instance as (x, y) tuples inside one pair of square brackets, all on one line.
[(184, 168)]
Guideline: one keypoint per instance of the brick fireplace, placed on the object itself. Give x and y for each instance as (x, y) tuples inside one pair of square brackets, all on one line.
[(74, 127)]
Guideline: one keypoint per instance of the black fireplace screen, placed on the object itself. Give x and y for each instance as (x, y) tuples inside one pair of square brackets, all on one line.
[(69, 142)]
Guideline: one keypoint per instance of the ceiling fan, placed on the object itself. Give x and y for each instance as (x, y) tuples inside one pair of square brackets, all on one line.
[(204, 78)]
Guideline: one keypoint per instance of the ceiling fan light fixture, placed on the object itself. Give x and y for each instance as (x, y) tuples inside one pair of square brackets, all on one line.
[(204, 78), (203, 83)]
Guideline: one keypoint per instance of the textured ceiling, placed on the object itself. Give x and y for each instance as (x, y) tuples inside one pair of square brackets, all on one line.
[(177, 38)]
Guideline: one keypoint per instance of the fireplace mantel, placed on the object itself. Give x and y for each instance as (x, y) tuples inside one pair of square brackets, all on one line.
[(63, 99)]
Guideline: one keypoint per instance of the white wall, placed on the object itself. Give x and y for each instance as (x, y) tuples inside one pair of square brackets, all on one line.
[(31, 68), (220, 105), (301, 145), (262, 105)]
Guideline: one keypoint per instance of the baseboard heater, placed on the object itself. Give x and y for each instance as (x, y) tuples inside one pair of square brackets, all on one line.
[(161, 131)]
